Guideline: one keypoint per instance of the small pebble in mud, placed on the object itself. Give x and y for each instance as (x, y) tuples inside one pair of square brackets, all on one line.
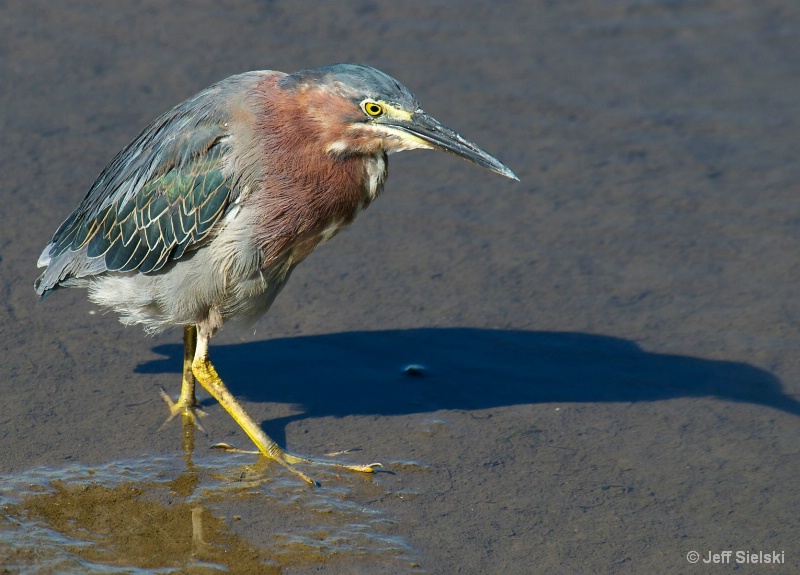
[(414, 370)]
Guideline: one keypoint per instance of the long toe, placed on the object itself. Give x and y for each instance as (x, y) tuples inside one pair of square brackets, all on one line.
[(291, 460)]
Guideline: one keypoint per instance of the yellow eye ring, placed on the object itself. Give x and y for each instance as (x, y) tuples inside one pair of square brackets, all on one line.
[(373, 109)]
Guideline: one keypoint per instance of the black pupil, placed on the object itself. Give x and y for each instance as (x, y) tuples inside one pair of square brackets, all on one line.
[(374, 109)]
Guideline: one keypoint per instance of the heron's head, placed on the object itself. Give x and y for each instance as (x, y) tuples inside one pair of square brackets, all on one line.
[(364, 111)]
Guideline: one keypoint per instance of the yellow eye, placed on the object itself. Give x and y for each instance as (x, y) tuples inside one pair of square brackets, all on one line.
[(373, 109)]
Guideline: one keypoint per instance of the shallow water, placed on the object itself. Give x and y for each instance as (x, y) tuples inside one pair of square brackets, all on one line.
[(159, 515)]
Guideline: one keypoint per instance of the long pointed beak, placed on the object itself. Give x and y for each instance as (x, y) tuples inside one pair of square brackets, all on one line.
[(443, 138)]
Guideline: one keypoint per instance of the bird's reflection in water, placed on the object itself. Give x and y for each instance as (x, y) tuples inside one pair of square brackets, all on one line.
[(225, 512), (97, 526)]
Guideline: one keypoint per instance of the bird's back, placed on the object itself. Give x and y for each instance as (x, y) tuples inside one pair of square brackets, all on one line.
[(158, 197)]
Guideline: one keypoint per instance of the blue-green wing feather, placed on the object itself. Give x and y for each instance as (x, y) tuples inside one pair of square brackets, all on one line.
[(135, 231), (159, 197), (139, 233)]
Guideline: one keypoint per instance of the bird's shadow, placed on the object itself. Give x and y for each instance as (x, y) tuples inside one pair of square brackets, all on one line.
[(360, 373)]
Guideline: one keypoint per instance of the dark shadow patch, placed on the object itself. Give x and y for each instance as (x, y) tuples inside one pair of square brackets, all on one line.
[(362, 373)]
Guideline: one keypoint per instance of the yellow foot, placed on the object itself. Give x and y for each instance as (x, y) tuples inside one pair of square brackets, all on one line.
[(289, 461), (189, 412), (204, 372)]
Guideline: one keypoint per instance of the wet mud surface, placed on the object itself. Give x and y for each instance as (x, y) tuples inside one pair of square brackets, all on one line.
[(608, 371), (150, 516)]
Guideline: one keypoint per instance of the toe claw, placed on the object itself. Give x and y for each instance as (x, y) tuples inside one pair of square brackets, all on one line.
[(368, 468)]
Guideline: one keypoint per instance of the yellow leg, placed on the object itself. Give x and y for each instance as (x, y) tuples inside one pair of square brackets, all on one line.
[(186, 405), (205, 373)]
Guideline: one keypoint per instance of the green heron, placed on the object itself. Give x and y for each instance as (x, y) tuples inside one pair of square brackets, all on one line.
[(202, 218)]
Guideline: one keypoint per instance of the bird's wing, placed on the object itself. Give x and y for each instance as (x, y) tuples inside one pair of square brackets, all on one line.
[(173, 209), (161, 195)]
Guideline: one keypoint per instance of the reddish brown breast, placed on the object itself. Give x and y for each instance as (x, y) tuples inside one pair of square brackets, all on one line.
[(305, 194)]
